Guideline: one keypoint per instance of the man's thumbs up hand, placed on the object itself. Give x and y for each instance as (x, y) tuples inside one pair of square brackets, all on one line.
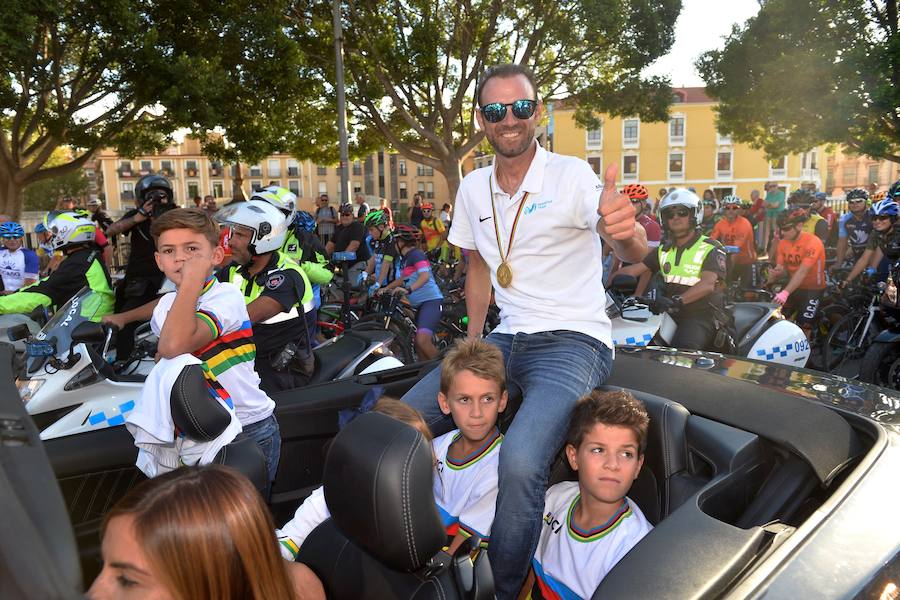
[(615, 209)]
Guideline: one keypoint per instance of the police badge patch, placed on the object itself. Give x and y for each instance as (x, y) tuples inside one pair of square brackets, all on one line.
[(274, 281), (292, 248), (666, 268)]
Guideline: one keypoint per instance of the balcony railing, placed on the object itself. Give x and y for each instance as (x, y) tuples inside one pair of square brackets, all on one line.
[(167, 171), (127, 195), (808, 174), (293, 171), (125, 172)]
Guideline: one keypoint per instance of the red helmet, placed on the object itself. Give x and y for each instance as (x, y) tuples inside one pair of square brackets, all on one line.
[(407, 233), (427, 206), (636, 191)]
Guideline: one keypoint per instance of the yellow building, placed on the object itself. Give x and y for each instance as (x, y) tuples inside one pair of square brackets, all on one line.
[(687, 151), (383, 174)]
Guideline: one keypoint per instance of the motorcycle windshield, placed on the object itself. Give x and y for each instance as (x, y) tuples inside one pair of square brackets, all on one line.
[(86, 305)]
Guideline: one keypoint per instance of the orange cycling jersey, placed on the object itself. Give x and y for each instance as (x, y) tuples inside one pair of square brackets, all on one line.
[(432, 231), (740, 234), (808, 250)]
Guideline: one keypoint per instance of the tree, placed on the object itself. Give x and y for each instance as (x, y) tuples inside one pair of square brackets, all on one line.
[(43, 194), (806, 72), (412, 65), (127, 73)]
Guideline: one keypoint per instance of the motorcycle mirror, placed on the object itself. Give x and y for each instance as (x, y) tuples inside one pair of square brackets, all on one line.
[(89, 333), (18, 332), (624, 284)]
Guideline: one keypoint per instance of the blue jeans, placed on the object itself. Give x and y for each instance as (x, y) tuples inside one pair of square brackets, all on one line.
[(550, 371), (267, 436)]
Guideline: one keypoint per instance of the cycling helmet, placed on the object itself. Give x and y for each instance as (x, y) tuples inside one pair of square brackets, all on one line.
[(427, 206), (281, 198), (407, 233), (894, 192), (801, 197), (267, 223), (67, 228), (878, 196), (305, 221), (151, 182), (346, 209), (821, 196), (39, 228), (886, 207), (636, 191), (376, 218), (857, 194), (731, 200), (11, 230), (682, 197), (793, 216)]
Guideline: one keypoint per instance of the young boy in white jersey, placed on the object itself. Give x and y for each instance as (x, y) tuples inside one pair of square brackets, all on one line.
[(589, 525), (209, 319), (473, 392)]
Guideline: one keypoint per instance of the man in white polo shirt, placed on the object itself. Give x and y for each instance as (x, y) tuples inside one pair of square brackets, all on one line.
[(531, 224)]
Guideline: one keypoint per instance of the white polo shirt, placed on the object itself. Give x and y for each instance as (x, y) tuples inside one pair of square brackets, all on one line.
[(556, 257)]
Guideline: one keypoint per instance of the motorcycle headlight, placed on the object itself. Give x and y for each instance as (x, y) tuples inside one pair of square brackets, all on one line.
[(28, 388)]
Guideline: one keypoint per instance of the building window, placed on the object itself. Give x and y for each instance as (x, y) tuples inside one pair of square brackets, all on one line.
[(723, 164), (193, 189), (146, 167), (215, 168), (125, 168), (218, 189), (357, 167), (420, 170), (191, 168), (127, 190), (723, 140), (849, 174), (165, 167), (873, 173), (596, 163), (630, 167), (274, 167), (323, 187), (429, 190), (357, 187), (294, 186), (321, 171), (293, 168), (778, 167), (421, 188), (255, 186), (401, 166), (595, 138), (676, 130), (631, 130), (676, 165), (429, 171), (721, 192), (255, 171)]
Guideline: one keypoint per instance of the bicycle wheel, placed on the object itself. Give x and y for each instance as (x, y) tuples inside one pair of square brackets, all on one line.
[(827, 318), (848, 340), (402, 346)]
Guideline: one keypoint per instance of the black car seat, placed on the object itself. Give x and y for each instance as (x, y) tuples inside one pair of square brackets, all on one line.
[(202, 419), (384, 537)]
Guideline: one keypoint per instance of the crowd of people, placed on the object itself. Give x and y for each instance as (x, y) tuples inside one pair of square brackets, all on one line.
[(247, 279)]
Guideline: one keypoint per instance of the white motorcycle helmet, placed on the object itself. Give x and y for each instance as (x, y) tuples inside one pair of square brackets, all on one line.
[(682, 197), (68, 227), (267, 223), (281, 198)]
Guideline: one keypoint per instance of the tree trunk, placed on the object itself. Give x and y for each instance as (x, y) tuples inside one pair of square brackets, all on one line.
[(452, 167), (12, 195), (237, 184)]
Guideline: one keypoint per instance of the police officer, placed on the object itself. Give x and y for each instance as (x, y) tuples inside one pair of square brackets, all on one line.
[(153, 196), (277, 290), (691, 265)]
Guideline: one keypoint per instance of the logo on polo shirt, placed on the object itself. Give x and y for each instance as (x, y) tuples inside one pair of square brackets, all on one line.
[(537, 206), (483, 219)]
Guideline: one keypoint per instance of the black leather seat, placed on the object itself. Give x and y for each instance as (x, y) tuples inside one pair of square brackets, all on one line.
[(746, 315), (384, 537), (202, 419), (333, 358)]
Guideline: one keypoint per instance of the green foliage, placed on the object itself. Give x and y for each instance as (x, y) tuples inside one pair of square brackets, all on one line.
[(806, 72), (43, 195), (412, 65)]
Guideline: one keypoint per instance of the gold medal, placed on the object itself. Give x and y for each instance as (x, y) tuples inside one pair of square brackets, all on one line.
[(504, 274)]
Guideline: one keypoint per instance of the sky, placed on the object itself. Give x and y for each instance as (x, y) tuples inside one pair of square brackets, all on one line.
[(701, 26)]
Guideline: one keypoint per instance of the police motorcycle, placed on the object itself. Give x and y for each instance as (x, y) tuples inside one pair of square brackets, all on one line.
[(70, 385), (760, 330)]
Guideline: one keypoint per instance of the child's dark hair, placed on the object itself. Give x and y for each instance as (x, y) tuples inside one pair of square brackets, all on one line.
[(479, 357), (616, 407), (186, 218)]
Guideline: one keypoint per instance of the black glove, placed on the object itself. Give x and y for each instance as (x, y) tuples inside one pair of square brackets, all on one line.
[(663, 304)]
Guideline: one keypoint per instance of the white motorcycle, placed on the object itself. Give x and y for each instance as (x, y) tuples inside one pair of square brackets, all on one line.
[(69, 386), (761, 332)]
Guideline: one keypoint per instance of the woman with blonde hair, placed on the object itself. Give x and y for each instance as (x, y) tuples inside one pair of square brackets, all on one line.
[(196, 533)]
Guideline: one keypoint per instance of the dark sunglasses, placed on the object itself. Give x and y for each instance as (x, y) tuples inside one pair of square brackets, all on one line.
[(732, 208), (881, 217), (786, 228), (496, 111), (675, 212), (856, 201)]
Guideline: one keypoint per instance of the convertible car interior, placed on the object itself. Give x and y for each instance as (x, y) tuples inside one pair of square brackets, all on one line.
[(732, 469)]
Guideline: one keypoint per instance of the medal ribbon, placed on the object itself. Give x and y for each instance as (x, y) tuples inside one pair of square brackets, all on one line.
[(512, 233)]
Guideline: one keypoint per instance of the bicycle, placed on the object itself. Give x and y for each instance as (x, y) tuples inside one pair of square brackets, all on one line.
[(392, 312), (852, 335)]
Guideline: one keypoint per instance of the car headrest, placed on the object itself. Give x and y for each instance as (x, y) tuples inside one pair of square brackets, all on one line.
[(378, 486), (246, 456), (194, 411)]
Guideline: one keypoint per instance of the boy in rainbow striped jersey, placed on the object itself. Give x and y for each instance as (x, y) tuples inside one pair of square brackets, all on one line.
[(473, 393), (589, 525), (208, 318)]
